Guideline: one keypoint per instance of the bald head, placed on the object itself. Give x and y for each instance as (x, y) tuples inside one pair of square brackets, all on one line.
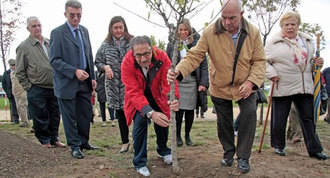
[(232, 4), (231, 15)]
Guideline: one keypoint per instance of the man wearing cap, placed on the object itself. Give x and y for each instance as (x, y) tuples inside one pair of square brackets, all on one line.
[(6, 85), (35, 74), (20, 98)]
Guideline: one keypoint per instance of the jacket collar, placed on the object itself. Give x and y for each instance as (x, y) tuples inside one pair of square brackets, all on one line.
[(279, 38), (34, 41), (220, 29)]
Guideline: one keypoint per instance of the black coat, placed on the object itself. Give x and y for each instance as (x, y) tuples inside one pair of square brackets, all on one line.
[(6, 84), (100, 89), (201, 73)]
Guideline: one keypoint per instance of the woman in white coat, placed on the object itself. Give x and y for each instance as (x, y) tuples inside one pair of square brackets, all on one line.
[(290, 59)]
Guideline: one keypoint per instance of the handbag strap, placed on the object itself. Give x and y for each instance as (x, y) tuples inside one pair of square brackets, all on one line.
[(238, 49)]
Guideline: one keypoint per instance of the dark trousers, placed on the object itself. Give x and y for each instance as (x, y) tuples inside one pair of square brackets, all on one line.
[(140, 134), (189, 119), (122, 126), (13, 110), (246, 126), (103, 113), (280, 111), (43, 108), (77, 115)]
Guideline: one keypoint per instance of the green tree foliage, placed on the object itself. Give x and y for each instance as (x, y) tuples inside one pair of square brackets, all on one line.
[(313, 29), (10, 19), (160, 44)]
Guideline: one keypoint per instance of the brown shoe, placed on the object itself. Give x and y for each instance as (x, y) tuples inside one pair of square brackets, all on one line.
[(47, 145), (124, 148), (60, 144)]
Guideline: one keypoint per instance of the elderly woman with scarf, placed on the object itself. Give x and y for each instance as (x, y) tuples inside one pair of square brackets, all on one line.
[(290, 59), (194, 86)]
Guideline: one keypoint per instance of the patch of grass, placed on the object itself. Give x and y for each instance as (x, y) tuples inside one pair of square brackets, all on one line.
[(3, 101)]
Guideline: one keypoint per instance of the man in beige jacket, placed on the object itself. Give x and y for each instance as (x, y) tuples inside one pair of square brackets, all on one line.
[(20, 98), (228, 81)]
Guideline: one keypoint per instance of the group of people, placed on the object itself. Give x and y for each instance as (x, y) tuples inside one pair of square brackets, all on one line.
[(58, 77)]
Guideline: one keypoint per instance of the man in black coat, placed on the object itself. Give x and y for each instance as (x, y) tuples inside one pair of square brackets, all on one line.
[(6, 85)]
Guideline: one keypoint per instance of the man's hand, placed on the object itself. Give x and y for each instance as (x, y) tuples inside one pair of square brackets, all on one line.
[(245, 89), (171, 76), (108, 71), (81, 74), (201, 88), (160, 119), (319, 61), (94, 84), (174, 105)]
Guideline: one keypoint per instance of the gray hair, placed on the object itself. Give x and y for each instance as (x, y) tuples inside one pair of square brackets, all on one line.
[(140, 40), (73, 3), (30, 19)]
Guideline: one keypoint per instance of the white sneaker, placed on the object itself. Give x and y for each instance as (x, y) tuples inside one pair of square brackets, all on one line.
[(143, 171), (167, 159)]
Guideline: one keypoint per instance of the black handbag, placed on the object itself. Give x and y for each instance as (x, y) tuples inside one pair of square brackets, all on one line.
[(261, 97)]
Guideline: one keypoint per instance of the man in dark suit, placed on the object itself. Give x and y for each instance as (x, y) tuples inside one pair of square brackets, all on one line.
[(74, 78), (6, 85)]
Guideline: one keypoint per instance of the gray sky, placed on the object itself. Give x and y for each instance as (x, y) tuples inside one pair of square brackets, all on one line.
[(97, 14)]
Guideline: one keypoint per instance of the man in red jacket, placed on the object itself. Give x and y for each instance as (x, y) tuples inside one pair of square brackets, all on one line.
[(143, 73)]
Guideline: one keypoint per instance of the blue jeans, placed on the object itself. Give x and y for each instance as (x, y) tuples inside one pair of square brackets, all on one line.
[(140, 134)]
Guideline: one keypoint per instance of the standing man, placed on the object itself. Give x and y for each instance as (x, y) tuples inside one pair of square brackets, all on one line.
[(228, 81), (146, 89), (20, 98), (74, 78), (326, 74), (7, 86), (35, 74)]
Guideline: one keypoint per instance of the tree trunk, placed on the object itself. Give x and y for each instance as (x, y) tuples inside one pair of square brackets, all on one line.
[(1, 41), (175, 166)]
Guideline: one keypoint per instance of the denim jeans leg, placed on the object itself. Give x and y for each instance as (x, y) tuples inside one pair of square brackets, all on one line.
[(162, 137), (140, 133)]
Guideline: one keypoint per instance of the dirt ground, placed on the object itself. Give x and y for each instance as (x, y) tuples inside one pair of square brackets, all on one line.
[(22, 156)]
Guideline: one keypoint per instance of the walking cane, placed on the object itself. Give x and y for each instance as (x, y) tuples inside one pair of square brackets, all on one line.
[(265, 124)]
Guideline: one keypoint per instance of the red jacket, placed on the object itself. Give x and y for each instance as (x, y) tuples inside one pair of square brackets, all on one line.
[(135, 84)]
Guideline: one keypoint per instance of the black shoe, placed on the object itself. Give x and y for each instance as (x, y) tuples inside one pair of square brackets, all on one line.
[(76, 153), (243, 165), (88, 147), (280, 152), (179, 141), (188, 141), (227, 162), (319, 156), (327, 120)]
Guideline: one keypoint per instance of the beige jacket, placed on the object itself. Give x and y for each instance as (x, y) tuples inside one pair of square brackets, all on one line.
[(279, 63), (218, 43), (17, 88)]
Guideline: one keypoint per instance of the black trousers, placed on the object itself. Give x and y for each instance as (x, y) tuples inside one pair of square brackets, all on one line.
[(77, 114), (44, 110), (280, 111), (122, 126), (246, 126), (103, 113), (13, 110), (189, 119)]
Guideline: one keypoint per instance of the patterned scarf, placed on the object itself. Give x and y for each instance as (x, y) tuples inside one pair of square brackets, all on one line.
[(300, 56)]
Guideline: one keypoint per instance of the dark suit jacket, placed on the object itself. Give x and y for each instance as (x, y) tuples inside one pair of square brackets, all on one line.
[(64, 58), (6, 84)]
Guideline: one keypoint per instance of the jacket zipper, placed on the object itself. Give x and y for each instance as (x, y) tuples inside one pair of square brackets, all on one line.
[(303, 82)]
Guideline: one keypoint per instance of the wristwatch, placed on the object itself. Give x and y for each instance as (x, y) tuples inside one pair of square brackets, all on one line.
[(149, 114)]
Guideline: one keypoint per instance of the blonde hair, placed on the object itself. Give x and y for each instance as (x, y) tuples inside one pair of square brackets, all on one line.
[(288, 15), (186, 23)]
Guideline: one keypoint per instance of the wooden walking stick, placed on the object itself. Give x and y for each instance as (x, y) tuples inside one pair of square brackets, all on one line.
[(265, 123)]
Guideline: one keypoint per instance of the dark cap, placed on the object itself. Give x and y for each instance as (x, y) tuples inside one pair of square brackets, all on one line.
[(11, 62)]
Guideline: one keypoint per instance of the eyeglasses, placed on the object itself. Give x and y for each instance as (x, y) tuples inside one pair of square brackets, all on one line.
[(73, 15), (145, 54)]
